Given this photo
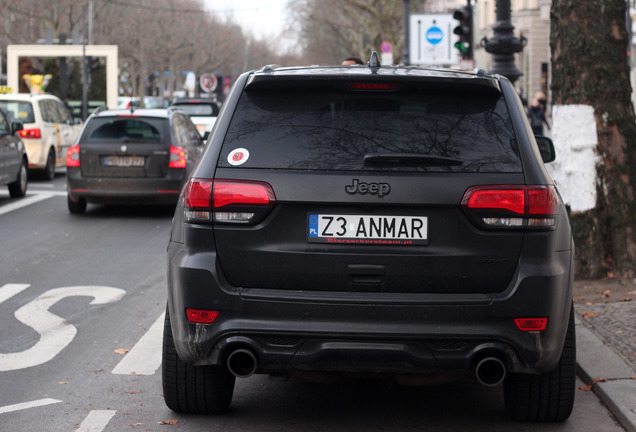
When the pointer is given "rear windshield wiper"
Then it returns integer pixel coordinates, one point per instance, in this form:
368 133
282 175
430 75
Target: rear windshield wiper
408 159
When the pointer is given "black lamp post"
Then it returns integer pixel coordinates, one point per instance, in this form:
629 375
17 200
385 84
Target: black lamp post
503 45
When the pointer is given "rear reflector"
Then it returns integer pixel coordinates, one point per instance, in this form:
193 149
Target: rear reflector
534 207
201 316
229 201
72 156
531 324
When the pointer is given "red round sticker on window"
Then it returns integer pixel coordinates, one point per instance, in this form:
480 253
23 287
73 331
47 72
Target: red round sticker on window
238 156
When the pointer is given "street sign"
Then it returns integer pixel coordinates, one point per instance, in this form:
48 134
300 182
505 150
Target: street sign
431 39
386 47
208 82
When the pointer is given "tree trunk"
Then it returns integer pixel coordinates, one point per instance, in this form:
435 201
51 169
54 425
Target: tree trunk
589 44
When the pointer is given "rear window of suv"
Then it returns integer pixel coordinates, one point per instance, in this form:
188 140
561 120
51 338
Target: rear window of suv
332 129
150 130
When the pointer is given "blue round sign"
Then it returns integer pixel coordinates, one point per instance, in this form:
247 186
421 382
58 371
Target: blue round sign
434 35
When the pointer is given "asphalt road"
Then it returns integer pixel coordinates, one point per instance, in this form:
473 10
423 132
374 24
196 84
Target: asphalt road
81 304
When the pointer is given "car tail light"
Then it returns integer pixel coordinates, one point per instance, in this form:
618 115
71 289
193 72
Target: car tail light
177 157
30 133
201 316
531 324
227 201
73 157
512 207
372 86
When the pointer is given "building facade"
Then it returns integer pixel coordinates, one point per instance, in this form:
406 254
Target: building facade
531 19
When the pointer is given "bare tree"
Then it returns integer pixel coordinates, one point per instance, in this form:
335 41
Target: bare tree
589 62
332 30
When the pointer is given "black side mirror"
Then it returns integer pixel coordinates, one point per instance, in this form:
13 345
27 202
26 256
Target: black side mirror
16 126
546 148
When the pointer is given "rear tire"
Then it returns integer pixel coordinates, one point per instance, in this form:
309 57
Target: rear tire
78 207
49 169
193 389
18 188
548 397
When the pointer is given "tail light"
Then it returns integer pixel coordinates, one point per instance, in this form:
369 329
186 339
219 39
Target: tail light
30 133
372 86
227 201
73 157
512 207
177 157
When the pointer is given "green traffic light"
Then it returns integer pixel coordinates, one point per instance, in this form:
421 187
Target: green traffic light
461 46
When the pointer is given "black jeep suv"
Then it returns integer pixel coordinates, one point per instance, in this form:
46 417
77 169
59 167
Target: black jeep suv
372 220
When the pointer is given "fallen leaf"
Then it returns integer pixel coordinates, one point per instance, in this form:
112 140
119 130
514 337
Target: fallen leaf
62 382
133 391
589 314
121 351
634 377
606 293
625 299
138 424
169 422
594 381
619 331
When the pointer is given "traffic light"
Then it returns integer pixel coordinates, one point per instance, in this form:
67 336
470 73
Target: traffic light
465 31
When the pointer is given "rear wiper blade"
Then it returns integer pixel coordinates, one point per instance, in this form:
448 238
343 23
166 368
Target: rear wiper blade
408 159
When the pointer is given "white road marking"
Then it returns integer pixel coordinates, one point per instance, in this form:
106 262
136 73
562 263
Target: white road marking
145 357
96 421
26 201
55 332
26 405
9 290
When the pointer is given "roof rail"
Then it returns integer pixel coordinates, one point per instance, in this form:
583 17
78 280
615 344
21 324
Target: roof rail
269 67
100 109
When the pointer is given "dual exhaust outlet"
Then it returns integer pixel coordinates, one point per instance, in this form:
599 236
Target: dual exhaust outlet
489 371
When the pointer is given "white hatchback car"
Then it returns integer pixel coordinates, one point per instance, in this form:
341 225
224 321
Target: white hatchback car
49 129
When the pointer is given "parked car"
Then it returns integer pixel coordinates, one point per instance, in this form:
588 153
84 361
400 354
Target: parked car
203 112
380 221
129 157
49 129
14 162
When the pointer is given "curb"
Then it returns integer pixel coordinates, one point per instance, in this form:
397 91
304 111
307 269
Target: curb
595 359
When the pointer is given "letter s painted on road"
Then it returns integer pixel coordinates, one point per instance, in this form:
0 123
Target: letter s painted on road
55 333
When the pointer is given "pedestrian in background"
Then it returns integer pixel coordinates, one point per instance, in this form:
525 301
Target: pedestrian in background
536 116
352 61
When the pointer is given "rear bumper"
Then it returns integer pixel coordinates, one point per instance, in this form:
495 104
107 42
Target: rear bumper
113 190
368 332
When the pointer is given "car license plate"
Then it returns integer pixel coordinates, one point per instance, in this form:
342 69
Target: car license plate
367 229
124 161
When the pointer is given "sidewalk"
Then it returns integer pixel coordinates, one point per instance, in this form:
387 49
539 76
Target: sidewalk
606 353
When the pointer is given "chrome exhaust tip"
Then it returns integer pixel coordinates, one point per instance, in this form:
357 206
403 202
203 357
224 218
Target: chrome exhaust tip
242 363
490 371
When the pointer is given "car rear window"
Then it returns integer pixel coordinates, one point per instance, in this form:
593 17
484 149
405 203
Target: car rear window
199 109
18 111
330 129
125 129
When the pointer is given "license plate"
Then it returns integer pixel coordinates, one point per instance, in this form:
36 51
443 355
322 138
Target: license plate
367 229
124 161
